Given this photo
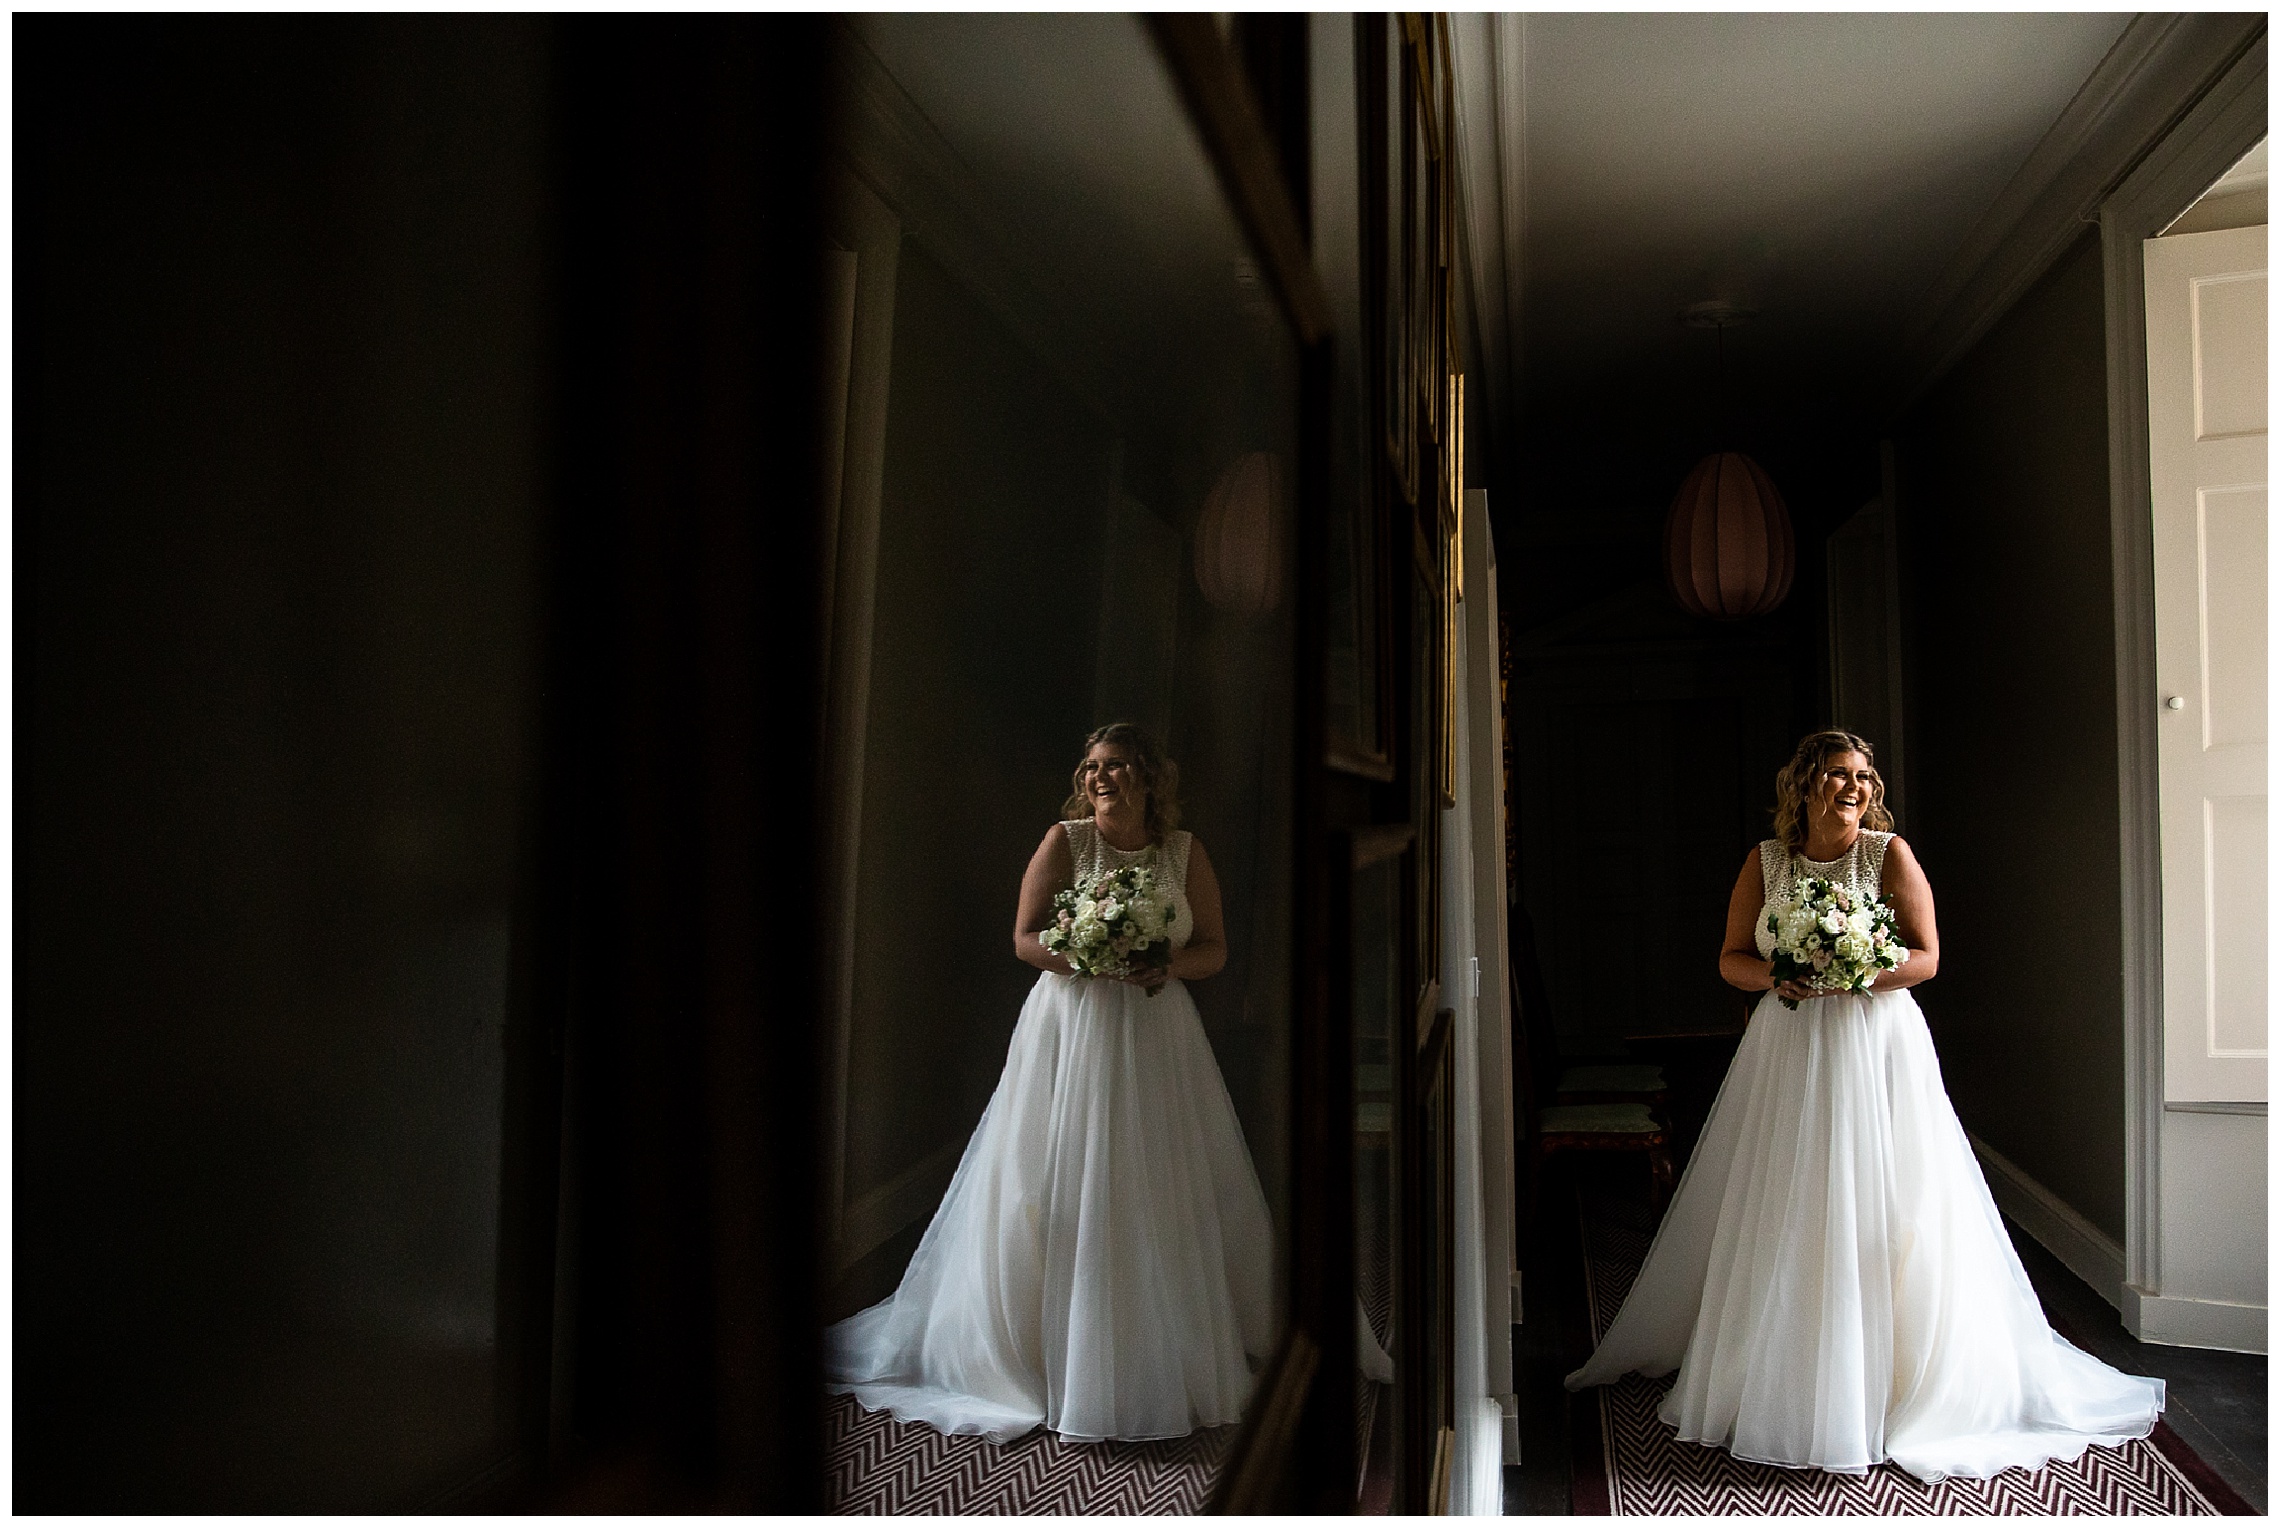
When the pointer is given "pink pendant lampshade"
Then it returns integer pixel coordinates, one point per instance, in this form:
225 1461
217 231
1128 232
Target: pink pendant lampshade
1728 544
1238 540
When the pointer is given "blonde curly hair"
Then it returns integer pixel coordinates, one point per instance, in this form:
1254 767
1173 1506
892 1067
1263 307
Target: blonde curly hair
1159 777
1794 784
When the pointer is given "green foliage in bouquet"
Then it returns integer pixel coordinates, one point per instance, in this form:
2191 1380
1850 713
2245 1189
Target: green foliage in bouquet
1833 937
1115 925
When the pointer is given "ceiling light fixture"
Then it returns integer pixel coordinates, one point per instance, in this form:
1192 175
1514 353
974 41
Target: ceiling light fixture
1728 547
1239 539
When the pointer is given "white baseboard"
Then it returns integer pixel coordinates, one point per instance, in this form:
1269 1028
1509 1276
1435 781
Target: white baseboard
2181 1323
909 1195
2171 1320
2093 1256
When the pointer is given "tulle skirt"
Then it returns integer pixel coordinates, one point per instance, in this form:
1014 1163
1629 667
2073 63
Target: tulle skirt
1101 1263
1832 1281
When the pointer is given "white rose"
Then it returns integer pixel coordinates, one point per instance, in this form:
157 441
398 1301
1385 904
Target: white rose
1860 923
1832 922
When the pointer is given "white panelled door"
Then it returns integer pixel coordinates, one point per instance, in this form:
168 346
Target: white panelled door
2205 375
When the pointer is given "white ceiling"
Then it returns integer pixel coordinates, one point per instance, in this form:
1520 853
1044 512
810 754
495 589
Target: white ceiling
1821 169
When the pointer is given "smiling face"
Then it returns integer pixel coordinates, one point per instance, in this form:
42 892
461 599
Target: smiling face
1842 790
1109 779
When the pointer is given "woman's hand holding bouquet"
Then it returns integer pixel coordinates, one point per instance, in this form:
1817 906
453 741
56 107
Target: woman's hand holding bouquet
1833 938
1116 925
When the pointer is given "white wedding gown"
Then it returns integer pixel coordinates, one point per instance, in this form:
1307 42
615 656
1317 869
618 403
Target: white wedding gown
1831 1280
1101 1261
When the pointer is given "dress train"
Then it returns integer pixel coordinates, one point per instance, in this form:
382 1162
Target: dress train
1832 1280
1101 1262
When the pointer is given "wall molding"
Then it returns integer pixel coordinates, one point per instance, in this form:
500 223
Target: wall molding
2155 72
869 229
494 1488
2223 123
2095 1258
890 143
1489 60
2177 1323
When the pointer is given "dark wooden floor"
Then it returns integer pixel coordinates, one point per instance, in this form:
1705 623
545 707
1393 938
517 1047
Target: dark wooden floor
1553 1337
2217 1401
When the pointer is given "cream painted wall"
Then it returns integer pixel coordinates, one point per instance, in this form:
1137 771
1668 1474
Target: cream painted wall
1483 813
2214 1181
2212 1218
1473 986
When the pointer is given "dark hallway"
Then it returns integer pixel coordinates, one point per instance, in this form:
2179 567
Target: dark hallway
576 576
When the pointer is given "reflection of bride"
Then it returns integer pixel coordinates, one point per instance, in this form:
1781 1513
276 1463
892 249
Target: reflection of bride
1832 1282
1101 1260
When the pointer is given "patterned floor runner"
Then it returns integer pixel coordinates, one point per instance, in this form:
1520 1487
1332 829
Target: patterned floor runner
1649 1473
880 1465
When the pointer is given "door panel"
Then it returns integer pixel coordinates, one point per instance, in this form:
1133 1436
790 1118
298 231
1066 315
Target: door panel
2205 373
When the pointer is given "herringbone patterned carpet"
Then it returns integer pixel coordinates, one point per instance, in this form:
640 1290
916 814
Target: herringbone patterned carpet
1651 1474
880 1465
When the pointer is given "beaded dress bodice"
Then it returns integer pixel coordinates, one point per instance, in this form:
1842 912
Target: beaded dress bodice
1860 867
1095 855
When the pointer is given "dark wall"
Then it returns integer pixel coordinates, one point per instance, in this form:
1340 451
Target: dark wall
1645 745
408 635
988 588
1579 515
1646 739
2007 596
278 414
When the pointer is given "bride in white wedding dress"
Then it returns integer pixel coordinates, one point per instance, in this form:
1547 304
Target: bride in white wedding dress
1101 1262
1832 1281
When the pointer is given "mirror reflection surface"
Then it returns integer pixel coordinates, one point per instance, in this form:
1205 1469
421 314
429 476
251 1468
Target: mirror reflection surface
1377 1008
1064 457
1340 195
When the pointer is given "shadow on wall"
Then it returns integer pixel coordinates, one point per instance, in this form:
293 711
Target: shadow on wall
2007 594
281 510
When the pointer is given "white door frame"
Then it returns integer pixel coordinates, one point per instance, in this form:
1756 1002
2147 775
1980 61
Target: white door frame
2207 141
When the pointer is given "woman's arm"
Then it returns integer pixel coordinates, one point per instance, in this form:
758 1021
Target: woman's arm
1911 895
1205 953
1051 869
1738 961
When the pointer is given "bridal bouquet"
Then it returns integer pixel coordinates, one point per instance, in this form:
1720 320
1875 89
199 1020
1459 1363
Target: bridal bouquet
1833 937
1113 925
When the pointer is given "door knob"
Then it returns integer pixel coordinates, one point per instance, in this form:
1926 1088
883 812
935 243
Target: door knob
2175 702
